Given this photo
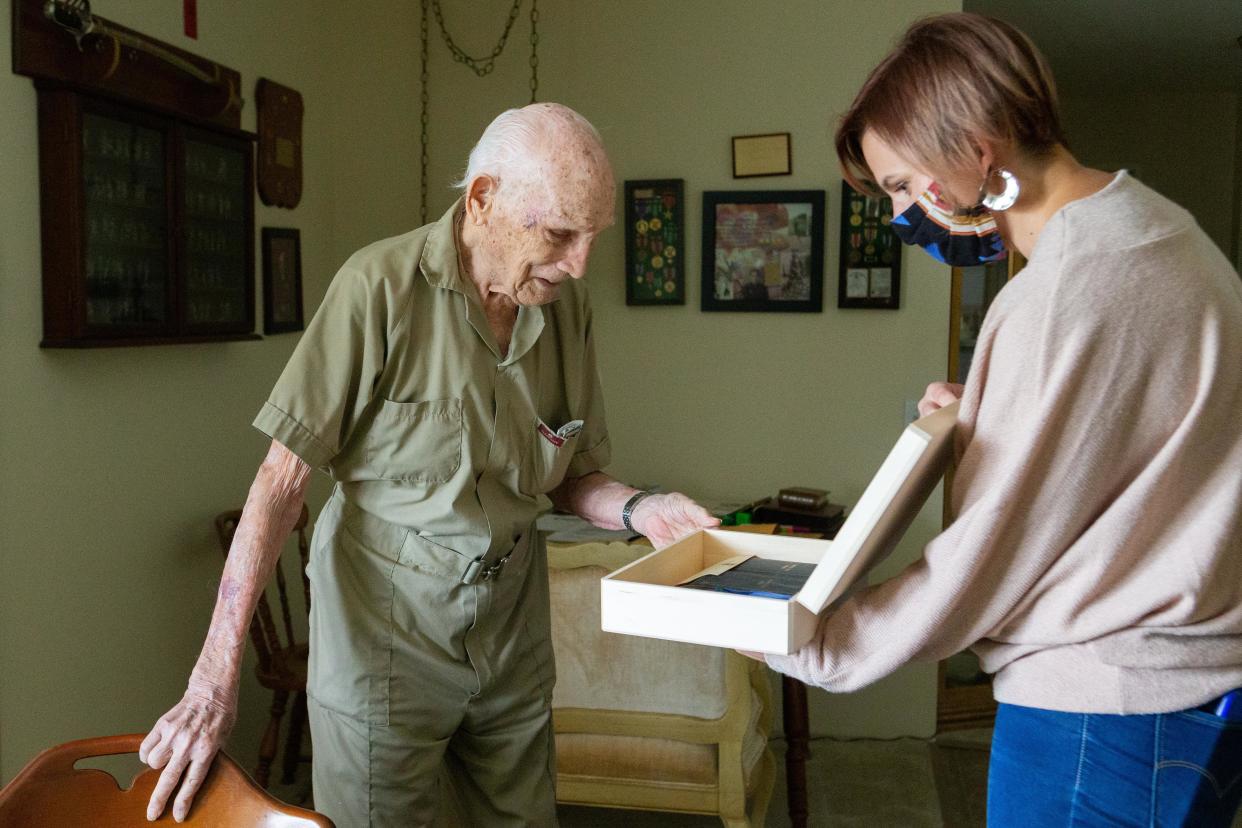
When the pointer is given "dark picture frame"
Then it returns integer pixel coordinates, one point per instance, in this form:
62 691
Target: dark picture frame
282 280
870 261
655 242
763 250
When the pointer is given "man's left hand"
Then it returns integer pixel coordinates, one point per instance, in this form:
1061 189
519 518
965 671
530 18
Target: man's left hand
665 518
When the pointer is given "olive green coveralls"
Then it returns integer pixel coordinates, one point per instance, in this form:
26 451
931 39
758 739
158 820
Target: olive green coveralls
429 627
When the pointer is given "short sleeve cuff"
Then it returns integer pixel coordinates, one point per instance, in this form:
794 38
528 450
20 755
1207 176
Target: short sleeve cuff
294 436
590 460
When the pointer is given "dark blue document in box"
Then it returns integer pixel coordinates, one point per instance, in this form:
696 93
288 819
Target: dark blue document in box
762 577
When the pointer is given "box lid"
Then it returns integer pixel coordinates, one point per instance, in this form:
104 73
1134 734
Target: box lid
887 506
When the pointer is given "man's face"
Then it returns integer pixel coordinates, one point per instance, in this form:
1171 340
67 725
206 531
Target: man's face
541 233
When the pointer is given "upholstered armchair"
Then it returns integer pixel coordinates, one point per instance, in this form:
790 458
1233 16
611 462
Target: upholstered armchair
649 724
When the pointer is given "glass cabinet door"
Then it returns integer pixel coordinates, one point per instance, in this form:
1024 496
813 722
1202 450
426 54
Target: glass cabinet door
126 256
147 225
216 238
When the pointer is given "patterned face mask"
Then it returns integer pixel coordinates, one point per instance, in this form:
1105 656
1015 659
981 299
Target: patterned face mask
957 240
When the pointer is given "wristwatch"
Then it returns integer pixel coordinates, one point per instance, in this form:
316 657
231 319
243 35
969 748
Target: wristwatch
628 510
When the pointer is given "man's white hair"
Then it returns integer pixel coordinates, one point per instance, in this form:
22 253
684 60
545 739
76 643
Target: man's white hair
515 142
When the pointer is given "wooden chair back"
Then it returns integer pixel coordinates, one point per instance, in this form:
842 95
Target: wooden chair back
274 671
51 793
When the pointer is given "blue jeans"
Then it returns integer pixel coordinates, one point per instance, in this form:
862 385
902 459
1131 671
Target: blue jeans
1075 769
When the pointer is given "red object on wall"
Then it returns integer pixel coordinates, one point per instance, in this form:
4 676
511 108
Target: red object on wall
191 18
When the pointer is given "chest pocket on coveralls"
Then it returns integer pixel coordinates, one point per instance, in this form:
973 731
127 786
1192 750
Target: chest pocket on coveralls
547 458
418 442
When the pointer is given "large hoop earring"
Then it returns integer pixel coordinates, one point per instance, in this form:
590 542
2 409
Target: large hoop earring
999 202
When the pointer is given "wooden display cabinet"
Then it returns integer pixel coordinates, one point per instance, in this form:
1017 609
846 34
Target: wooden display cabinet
147 225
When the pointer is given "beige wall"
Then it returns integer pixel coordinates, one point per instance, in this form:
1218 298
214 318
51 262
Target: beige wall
115 460
372 92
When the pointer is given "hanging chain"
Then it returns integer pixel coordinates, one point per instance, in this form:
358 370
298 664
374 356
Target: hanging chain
424 119
481 65
534 50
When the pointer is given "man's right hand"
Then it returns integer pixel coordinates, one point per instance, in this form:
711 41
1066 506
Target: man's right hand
186 740
938 395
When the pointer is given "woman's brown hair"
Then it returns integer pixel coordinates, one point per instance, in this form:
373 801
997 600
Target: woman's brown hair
951 80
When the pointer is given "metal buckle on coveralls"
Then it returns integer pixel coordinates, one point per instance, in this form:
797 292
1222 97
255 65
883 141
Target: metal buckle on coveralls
477 570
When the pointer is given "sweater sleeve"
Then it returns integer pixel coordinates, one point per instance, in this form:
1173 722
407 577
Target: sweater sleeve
1047 419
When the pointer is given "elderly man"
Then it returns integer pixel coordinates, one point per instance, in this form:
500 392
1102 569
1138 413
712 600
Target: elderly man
446 383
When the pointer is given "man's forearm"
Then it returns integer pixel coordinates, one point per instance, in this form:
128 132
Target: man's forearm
595 497
272 508
661 518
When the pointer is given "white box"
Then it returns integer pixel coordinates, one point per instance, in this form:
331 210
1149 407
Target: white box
643 598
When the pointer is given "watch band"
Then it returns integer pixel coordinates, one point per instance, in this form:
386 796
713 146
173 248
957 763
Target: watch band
628 510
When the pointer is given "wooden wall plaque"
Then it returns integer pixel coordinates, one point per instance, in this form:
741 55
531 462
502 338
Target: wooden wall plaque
280 144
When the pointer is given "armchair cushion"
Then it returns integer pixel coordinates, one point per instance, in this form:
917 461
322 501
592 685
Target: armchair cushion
607 671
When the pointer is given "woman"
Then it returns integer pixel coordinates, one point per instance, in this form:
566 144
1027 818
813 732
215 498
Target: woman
1095 565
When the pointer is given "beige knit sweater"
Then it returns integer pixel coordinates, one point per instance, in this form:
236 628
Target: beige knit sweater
1096 561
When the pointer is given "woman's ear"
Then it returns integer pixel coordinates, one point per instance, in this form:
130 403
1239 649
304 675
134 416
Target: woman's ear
986 152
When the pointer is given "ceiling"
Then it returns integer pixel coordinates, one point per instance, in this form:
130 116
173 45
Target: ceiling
1126 44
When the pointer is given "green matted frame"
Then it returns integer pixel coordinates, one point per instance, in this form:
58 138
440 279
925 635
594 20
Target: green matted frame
655 238
870 265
